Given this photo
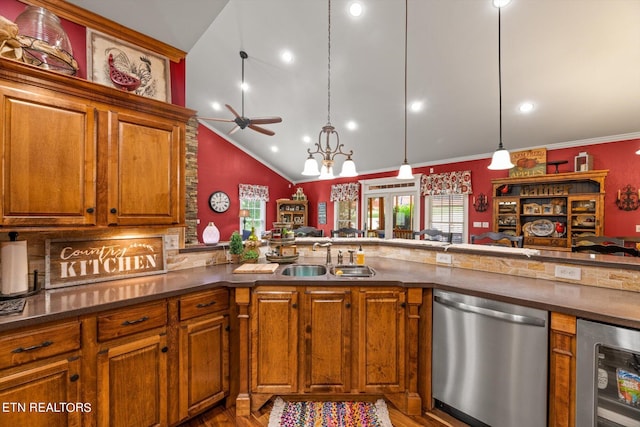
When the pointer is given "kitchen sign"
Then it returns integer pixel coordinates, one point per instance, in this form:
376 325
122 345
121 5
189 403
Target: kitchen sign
76 262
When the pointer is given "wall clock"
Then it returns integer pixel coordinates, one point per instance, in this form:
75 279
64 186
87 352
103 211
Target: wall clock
219 201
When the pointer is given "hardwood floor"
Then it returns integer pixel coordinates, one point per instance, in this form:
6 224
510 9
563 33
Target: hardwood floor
226 417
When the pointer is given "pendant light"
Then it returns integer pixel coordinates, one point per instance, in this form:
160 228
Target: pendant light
405 170
327 152
501 159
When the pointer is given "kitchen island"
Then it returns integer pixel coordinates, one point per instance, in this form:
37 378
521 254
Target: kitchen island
89 347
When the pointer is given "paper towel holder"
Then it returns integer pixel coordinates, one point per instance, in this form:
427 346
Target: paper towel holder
36 287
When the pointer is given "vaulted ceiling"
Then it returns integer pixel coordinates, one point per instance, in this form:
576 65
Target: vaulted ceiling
576 61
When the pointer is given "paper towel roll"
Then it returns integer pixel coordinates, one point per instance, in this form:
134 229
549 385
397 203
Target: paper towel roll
15 267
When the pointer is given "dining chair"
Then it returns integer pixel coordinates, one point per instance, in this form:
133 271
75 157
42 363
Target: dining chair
602 245
308 231
434 234
498 239
402 234
347 232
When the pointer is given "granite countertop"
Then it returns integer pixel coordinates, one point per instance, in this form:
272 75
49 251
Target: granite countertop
601 304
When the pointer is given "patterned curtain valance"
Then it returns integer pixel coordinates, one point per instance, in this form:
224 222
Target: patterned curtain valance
446 183
343 192
254 192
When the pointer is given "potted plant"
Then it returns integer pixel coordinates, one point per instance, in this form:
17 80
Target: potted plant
235 247
250 255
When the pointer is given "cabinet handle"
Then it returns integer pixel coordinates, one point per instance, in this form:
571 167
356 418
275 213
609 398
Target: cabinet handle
33 347
205 304
113 210
90 210
164 349
348 305
227 328
133 322
74 378
403 304
294 305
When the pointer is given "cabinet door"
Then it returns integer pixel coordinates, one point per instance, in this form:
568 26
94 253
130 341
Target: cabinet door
327 340
32 398
204 364
48 160
132 384
381 336
274 341
144 172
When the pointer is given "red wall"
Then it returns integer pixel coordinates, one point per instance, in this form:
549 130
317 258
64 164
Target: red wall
221 167
618 157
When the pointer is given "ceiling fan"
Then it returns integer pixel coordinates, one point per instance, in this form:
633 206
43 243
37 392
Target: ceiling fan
241 120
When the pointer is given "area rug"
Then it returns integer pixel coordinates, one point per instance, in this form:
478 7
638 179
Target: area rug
329 414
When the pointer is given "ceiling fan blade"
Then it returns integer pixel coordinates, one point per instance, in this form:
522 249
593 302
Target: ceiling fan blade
235 113
234 130
265 120
262 130
215 119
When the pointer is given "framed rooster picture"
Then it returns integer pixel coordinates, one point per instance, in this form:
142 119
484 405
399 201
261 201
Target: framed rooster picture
116 63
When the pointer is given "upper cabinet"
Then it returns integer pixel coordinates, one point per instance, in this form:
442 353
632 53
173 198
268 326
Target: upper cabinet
550 210
76 154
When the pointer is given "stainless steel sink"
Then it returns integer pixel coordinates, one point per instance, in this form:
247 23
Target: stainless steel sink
352 271
304 270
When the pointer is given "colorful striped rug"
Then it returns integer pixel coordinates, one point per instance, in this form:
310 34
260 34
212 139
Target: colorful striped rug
329 414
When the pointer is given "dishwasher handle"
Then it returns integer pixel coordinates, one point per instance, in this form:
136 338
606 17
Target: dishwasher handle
501 315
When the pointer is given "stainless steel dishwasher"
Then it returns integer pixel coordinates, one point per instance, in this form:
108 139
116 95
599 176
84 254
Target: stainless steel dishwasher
489 361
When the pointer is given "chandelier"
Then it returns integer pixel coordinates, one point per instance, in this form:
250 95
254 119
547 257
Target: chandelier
327 152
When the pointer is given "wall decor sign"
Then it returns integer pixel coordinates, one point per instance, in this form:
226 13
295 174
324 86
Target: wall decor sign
529 163
75 262
116 63
322 213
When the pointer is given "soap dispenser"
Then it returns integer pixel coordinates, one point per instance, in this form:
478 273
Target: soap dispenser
360 256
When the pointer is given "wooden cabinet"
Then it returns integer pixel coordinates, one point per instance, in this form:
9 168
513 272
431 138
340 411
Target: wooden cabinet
293 211
326 351
331 340
381 336
132 367
204 351
81 154
550 210
562 370
39 372
274 340
49 159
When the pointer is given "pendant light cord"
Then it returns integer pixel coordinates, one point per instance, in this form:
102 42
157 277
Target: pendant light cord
329 65
500 147
406 31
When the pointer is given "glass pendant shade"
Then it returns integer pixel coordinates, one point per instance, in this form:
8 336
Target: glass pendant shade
311 167
405 172
326 172
501 160
348 168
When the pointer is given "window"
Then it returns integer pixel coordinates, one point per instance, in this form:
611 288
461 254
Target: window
448 213
346 214
256 217
389 206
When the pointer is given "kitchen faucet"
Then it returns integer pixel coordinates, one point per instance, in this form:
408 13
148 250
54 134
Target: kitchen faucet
324 245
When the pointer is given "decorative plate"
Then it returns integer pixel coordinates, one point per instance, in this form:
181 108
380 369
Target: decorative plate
526 229
542 227
586 220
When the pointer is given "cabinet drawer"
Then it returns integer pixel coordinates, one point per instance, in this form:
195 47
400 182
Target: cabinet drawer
131 320
38 343
203 303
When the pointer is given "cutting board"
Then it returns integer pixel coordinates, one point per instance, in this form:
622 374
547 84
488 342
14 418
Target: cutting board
257 268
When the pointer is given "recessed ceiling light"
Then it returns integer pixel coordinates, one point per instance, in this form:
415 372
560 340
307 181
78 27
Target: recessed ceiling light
501 3
274 148
244 86
526 107
416 106
306 139
351 125
286 56
216 106
355 9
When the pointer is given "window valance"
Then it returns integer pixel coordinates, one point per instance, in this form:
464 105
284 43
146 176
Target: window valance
446 183
253 192
344 192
